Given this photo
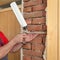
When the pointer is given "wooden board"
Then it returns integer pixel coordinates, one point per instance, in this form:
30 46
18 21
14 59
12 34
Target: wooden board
59 29
52 30
10 27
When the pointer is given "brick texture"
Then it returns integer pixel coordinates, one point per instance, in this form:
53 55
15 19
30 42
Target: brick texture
38 21
33 53
28 46
29 21
39 7
28 9
35 16
37 58
32 3
26 57
35 27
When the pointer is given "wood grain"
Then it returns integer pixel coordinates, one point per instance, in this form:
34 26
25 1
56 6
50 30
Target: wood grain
52 30
10 27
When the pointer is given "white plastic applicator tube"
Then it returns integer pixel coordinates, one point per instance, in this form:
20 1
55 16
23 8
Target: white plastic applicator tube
20 19
18 14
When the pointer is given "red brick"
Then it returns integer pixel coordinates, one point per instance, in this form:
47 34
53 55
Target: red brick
35 27
44 27
37 58
28 9
44 40
42 35
39 7
38 47
27 46
37 40
35 14
32 3
41 20
29 20
26 57
32 53
45 1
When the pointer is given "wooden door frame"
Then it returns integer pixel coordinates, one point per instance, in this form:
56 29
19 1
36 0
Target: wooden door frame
59 30
53 30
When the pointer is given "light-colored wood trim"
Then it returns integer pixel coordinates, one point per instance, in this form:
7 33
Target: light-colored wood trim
7 9
52 30
59 30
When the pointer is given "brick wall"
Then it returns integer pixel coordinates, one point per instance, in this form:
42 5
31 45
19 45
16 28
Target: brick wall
35 15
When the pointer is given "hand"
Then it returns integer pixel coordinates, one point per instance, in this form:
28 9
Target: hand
30 36
19 38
